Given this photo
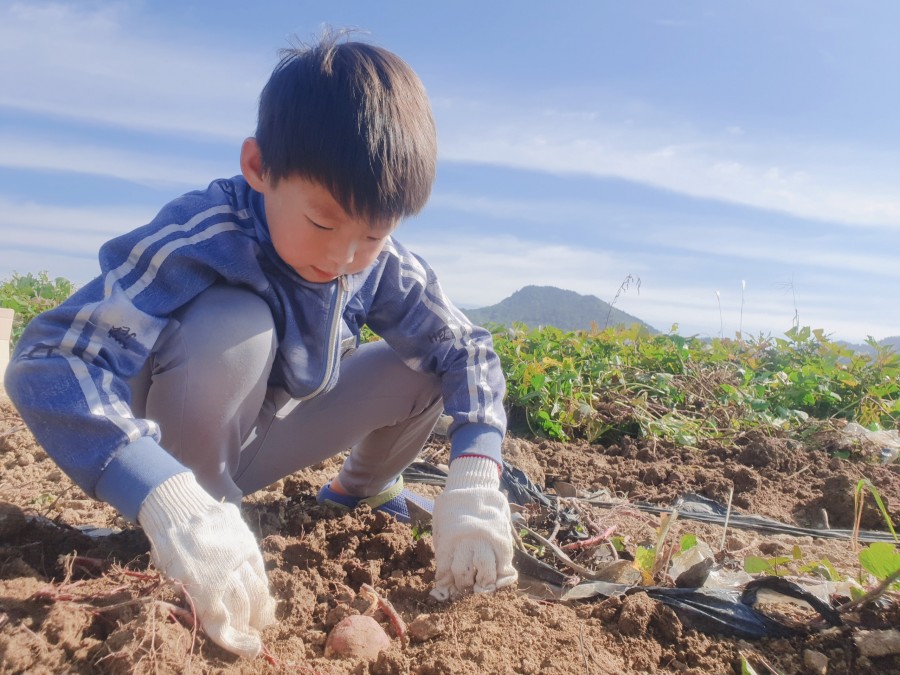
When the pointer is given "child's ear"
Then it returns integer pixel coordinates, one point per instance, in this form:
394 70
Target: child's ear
251 165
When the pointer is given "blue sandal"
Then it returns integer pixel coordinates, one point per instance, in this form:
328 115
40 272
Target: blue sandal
391 501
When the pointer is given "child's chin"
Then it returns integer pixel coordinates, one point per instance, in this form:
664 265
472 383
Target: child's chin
316 276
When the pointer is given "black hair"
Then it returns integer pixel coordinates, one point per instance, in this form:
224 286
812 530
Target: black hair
355 118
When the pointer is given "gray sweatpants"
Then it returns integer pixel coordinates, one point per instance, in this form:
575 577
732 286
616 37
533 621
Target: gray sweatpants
205 384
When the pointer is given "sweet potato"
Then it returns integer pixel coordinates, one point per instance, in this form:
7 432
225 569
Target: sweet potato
358 637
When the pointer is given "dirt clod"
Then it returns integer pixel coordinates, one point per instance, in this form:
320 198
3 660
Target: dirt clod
12 520
878 642
635 615
426 627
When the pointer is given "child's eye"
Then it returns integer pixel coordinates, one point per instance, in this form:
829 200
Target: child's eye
320 227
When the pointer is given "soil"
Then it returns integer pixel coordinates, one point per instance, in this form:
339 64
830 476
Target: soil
78 593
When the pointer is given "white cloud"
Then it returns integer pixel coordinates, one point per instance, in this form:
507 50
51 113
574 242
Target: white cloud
483 272
78 270
65 241
796 249
519 209
821 181
697 310
838 310
45 220
99 64
62 240
82 158
95 64
795 246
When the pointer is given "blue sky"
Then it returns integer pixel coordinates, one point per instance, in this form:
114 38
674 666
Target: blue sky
749 149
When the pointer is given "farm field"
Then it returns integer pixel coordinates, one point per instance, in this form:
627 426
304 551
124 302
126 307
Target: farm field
617 438
75 603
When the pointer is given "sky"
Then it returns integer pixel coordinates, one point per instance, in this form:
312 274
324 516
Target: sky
740 160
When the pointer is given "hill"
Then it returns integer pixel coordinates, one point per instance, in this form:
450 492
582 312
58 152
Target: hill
550 306
893 342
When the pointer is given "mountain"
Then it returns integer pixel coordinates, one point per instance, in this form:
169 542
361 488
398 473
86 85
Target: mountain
550 306
893 342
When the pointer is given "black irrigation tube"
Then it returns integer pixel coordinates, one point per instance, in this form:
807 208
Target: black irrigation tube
757 523
728 612
522 491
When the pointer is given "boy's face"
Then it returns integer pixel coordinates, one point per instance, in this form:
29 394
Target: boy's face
310 231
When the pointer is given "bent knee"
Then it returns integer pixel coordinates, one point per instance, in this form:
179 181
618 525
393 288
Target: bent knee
227 323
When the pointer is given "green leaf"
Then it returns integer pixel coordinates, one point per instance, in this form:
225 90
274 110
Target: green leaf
746 668
880 559
688 542
821 568
866 483
779 560
645 557
755 565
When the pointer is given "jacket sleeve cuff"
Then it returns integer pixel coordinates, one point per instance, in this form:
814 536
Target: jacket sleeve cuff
133 473
483 440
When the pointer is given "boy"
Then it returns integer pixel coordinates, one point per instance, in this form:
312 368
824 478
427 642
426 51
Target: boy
219 349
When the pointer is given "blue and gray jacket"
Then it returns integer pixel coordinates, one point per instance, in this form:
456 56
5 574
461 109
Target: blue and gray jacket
68 374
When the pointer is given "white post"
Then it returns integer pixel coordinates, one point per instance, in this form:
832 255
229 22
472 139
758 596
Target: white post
6 322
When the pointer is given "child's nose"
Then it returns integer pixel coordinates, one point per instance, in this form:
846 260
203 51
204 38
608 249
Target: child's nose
342 253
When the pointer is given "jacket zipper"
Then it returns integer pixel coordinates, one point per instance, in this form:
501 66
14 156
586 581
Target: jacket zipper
333 335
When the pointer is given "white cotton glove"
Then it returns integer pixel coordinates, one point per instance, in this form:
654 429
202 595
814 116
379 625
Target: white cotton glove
472 530
207 546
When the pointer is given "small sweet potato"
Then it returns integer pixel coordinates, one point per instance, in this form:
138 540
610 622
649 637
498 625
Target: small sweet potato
358 637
